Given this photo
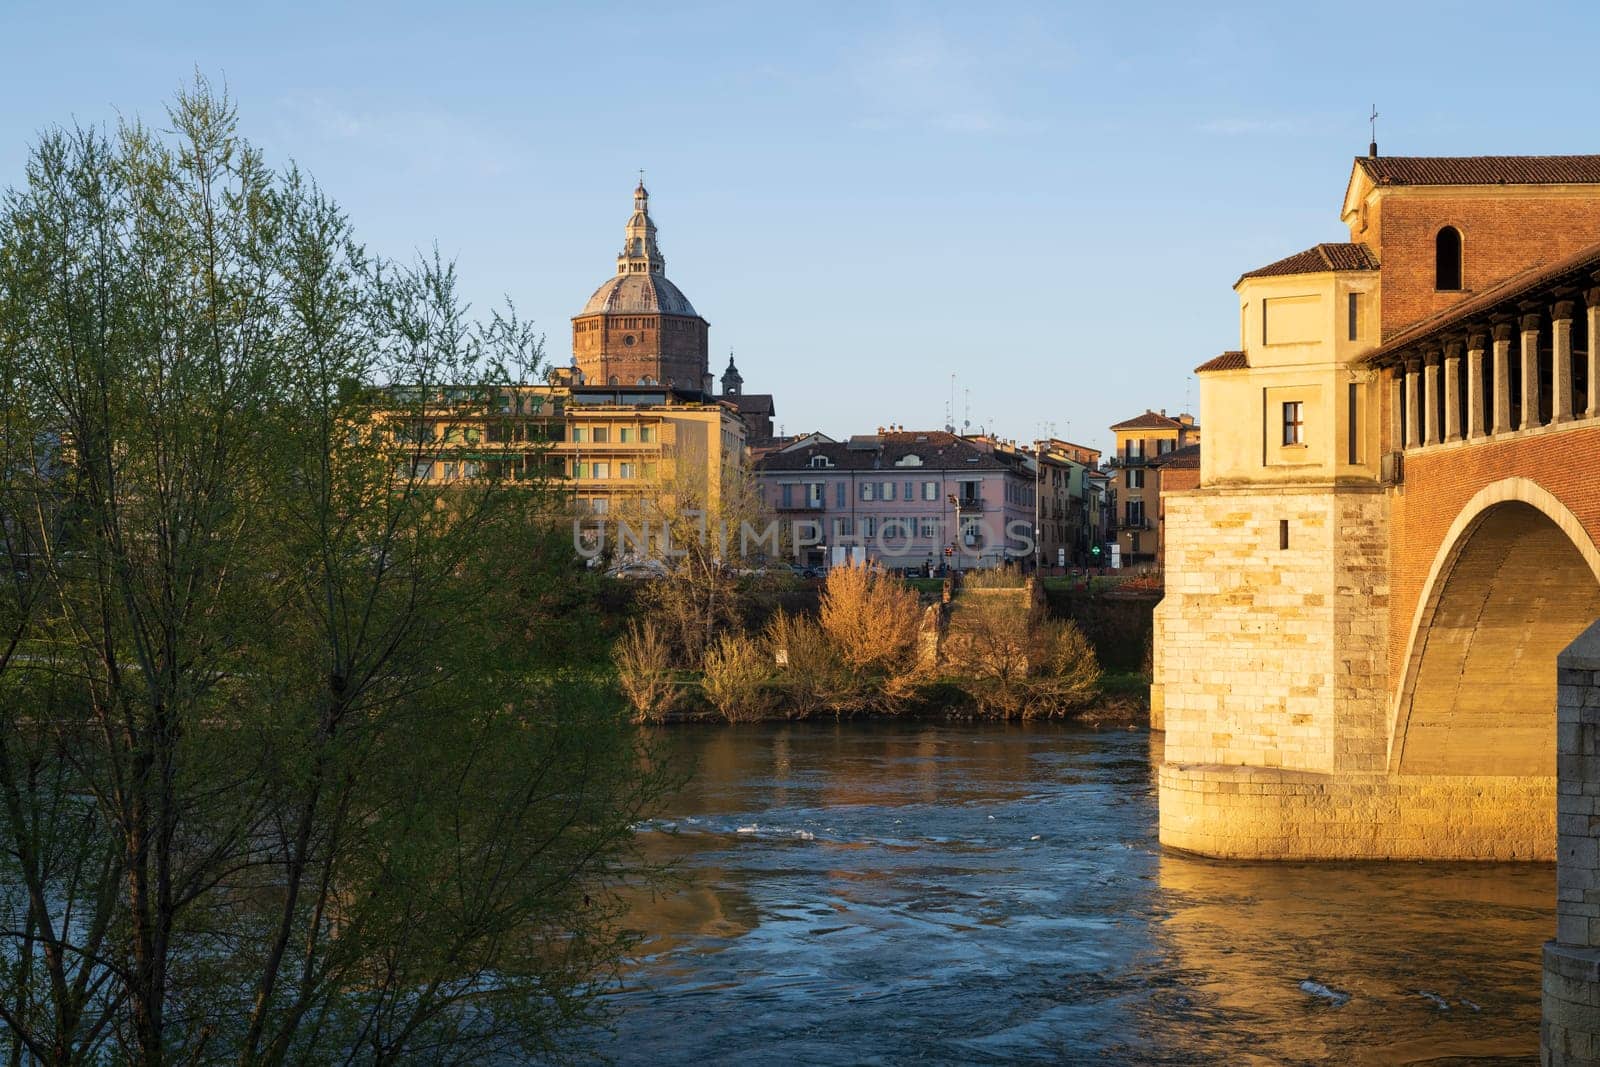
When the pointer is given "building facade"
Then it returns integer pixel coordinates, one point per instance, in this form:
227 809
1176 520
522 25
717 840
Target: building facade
1141 442
607 449
904 499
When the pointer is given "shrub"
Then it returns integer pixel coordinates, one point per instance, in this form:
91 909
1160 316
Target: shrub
644 670
1011 670
993 578
1066 674
735 674
988 638
814 680
870 617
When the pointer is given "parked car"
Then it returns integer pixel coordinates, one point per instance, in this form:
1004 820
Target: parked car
645 568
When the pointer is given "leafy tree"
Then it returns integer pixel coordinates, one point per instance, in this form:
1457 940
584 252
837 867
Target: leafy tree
282 778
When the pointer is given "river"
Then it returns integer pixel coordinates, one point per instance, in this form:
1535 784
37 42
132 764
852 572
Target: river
913 893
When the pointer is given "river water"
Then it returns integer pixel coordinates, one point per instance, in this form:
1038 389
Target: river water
911 893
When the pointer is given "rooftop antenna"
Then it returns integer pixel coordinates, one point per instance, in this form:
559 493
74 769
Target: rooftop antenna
1372 149
966 410
1188 384
950 407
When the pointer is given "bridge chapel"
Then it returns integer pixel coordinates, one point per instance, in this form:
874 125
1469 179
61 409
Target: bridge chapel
1395 528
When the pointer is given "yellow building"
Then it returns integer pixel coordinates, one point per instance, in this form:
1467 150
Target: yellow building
1141 441
1290 405
606 447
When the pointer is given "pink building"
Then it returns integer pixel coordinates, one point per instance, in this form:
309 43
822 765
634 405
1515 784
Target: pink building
896 496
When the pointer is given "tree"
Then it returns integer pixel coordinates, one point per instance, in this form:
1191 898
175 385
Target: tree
871 617
702 515
1016 666
644 670
280 778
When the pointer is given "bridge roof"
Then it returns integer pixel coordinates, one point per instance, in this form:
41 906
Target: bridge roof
1501 298
1481 170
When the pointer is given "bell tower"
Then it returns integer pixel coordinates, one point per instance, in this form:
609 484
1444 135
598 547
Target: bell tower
732 380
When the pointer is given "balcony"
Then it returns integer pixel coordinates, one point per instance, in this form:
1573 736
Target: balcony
801 505
969 503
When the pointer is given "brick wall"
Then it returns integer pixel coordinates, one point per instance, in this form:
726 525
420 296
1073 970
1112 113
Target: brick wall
1440 481
1500 237
665 348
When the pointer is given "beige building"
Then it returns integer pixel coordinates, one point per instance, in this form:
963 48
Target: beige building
631 422
608 448
1141 441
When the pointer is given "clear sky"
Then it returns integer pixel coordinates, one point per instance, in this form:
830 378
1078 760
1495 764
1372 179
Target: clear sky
1049 201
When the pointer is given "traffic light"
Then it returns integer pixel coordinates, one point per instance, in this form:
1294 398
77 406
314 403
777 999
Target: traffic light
1094 550
949 551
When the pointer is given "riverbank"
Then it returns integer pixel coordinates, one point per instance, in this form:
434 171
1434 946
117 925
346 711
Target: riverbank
988 647
1122 702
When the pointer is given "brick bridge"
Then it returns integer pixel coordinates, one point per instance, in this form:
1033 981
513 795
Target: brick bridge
1366 668
1395 536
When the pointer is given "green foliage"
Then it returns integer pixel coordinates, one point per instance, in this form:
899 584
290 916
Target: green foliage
645 672
287 772
735 675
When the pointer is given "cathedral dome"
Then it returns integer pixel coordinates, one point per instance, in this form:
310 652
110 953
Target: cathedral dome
641 293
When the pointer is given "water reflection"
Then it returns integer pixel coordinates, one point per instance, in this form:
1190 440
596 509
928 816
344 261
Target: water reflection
882 893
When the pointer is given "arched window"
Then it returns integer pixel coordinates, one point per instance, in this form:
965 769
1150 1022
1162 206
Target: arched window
1447 260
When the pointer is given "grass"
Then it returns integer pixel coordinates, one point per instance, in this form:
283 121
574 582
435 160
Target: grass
1130 685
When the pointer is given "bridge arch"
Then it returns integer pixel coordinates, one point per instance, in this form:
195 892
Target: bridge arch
1516 579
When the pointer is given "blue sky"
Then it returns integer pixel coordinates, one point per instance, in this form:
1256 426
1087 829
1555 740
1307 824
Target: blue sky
1049 201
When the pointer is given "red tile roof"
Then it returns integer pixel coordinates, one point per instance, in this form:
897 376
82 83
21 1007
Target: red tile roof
1180 459
937 450
1481 170
1148 421
1226 361
1317 259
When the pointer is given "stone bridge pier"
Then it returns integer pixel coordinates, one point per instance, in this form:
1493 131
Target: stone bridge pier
1570 1032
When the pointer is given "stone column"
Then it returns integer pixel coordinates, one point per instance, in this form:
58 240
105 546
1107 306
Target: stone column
1570 1031
1413 415
1475 342
1592 298
1502 377
1452 391
1561 361
1397 393
1530 370
1430 411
